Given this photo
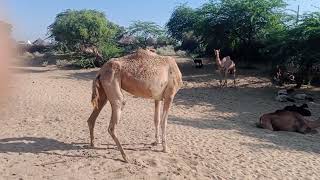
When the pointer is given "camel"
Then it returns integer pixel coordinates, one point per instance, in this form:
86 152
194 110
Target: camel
144 74
225 66
303 109
283 120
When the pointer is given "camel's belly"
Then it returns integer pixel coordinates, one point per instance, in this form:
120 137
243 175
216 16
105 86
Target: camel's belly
153 89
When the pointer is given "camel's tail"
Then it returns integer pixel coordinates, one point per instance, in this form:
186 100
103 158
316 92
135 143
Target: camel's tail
97 92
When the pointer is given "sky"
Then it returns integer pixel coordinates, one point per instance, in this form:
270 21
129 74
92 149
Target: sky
30 18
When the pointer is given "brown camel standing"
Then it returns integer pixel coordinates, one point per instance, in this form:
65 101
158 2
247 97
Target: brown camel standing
283 120
225 66
144 74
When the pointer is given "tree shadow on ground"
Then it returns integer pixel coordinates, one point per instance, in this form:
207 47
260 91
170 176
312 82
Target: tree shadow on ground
240 109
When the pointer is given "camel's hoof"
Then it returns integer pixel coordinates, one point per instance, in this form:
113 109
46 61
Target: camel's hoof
155 143
125 159
165 150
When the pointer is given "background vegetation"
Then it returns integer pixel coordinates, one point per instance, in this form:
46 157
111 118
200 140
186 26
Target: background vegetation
250 31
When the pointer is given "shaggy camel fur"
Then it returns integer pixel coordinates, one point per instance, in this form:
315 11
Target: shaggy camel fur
303 109
225 66
144 74
283 120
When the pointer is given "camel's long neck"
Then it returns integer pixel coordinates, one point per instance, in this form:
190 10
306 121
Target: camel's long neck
314 124
218 61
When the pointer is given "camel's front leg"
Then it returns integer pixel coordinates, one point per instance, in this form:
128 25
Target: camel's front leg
221 77
226 77
157 122
115 117
166 107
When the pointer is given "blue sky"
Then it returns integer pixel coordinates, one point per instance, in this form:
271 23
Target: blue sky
32 17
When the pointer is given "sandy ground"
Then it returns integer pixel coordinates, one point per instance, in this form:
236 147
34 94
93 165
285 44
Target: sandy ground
211 131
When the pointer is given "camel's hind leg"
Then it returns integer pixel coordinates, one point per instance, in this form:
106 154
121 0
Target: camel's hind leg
92 120
226 78
157 121
100 102
166 107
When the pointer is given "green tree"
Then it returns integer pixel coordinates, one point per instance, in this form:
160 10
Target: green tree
239 24
76 30
145 32
182 20
234 24
298 46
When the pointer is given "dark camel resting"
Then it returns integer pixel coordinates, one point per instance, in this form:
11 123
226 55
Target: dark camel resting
283 120
303 109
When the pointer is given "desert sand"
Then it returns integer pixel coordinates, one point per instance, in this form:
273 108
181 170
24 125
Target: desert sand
211 131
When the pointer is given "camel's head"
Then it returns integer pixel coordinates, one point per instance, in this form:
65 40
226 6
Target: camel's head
304 105
217 52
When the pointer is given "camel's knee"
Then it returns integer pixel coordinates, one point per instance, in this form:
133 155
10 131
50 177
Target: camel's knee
123 104
92 119
111 130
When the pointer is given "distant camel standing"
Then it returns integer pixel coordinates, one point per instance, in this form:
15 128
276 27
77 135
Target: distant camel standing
144 74
225 66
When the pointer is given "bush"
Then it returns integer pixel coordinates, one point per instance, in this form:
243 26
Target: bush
110 50
166 51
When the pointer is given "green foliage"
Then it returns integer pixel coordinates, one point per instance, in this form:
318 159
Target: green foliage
146 33
110 50
232 24
73 29
182 20
298 45
249 31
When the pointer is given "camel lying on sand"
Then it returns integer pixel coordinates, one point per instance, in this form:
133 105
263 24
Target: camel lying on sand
225 66
143 74
283 120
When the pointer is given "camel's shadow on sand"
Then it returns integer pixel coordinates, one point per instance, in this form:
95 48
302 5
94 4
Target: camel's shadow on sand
38 145
35 145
